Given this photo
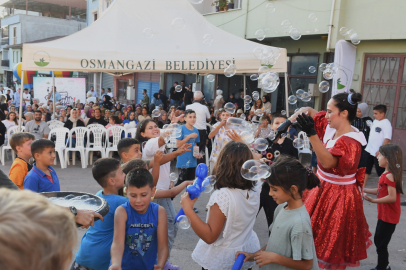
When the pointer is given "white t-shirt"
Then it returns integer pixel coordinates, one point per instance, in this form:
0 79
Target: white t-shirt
380 130
27 96
202 114
148 152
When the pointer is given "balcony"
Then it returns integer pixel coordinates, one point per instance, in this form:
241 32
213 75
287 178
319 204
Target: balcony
5 63
4 41
210 7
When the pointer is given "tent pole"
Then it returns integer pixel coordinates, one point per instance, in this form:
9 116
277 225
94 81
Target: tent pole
286 94
53 95
20 110
245 83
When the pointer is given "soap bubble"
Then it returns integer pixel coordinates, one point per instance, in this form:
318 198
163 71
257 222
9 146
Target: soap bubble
252 170
210 77
398 166
254 77
196 2
178 88
271 135
369 123
230 70
236 123
312 17
265 168
283 112
260 34
263 69
258 52
242 116
247 107
328 74
344 31
148 33
207 39
333 66
270 82
259 112
260 144
306 97
276 154
351 32
247 99
173 177
183 222
295 34
286 25
208 183
299 93
355 39
247 137
270 7
312 69
324 86
298 143
323 67
292 99
156 113
255 95
229 107
178 24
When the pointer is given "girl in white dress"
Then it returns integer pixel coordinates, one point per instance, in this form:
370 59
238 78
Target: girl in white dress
231 216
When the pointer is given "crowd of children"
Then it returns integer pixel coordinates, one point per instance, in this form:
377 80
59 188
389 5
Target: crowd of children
307 214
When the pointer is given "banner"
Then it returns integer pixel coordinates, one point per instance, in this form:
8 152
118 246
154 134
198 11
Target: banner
344 57
70 89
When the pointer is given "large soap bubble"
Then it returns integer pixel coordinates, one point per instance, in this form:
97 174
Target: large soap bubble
270 7
312 17
324 86
260 144
283 112
208 183
322 67
247 107
295 34
299 93
156 113
259 112
254 77
255 95
306 97
247 99
253 170
173 177
260 34
263 69
183 222
178 24
312 69
237 123
286 25
344 31
178 88
355 39
210 77
292 99
230 71
328 74
298 143
229 107
247 136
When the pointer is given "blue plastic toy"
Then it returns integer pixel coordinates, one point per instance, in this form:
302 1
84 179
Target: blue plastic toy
195 189
238 262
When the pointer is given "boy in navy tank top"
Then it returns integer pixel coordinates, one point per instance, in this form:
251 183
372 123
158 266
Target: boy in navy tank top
140 227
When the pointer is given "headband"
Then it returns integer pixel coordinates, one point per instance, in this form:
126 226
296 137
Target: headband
350 100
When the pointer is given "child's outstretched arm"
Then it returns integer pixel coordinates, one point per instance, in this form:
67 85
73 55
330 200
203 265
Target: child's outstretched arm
390 198
117 248
210 231
216 130
373 191
180 143
266 257
170 193
155 169
162 233
170 156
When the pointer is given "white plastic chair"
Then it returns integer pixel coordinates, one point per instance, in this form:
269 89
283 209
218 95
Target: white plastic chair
306 144
80 133
60 143
99 133
6 145
51 122
94 125
117 132
132 131
56 124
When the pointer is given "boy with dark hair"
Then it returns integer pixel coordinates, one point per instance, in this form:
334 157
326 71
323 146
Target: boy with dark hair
380 134
94 250
187 162
42 177
21 143
140 227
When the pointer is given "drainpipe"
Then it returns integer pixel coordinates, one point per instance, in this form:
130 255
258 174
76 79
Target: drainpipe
330 27
246 20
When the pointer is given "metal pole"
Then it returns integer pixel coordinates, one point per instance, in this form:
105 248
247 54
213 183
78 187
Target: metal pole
53 94
245 82
20 110
330 27
286 94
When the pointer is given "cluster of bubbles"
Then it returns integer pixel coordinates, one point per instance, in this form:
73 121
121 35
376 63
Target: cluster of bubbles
351 34
267 55
255 170
329 70
83 202
171 131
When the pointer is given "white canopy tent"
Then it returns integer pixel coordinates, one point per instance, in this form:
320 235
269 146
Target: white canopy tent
139 36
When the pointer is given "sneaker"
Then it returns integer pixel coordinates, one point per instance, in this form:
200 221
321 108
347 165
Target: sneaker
169 266
195 209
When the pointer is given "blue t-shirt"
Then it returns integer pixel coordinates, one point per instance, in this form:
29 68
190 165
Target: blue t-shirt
187 160
37 181
292 132
141 242
94 250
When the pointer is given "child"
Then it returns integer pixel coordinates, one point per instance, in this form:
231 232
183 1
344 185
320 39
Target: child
290 245
380 134
388 192
42 177
21 143
94 250
231 215
187 162
219 132
265 129
283 146
140 227
113 121
33 228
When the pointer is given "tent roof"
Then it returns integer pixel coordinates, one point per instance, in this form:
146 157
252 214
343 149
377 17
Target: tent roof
116 42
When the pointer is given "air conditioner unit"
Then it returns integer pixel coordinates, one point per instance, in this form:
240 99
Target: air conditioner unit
130 93
313 90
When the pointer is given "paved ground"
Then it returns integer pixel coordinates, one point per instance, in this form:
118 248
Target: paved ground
74 178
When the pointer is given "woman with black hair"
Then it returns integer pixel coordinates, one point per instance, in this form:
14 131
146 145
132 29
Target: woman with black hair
266 101
340 230
107 102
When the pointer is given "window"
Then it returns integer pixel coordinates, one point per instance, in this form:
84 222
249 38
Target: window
14 35
95 16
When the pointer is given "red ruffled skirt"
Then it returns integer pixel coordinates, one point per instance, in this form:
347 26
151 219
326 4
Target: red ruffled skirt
340 230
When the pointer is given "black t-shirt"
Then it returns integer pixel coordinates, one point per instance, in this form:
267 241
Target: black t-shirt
188 98
3 108
100 121
173 94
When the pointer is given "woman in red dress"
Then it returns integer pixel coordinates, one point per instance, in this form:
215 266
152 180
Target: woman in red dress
340 229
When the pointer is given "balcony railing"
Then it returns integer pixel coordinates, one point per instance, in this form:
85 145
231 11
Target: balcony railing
5 63
4 41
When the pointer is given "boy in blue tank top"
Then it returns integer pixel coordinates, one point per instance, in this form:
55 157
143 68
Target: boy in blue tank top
140 227
94 251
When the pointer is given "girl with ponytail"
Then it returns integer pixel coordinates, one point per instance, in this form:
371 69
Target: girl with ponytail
290 244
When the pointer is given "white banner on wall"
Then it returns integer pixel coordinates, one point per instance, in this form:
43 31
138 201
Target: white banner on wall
70 89
344 57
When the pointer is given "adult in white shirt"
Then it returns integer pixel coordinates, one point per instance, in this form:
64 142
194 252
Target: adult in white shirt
202 116
26 97
380 134
109 92
94 93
